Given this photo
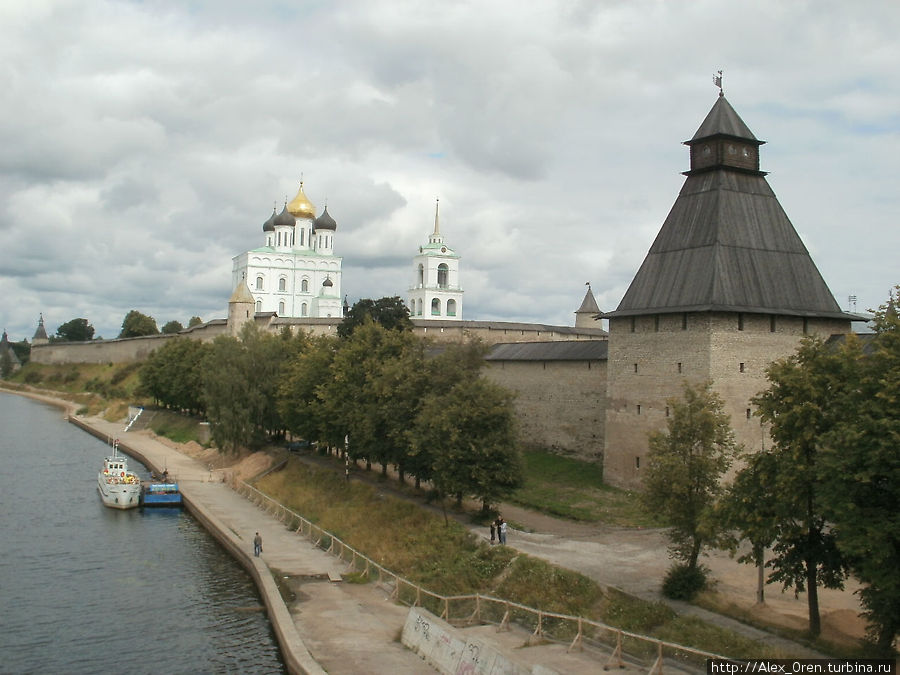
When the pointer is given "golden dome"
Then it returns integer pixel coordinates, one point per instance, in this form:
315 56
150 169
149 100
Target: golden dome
301 207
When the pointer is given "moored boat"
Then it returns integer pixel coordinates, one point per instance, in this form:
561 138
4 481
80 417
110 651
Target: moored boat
119 488
161 494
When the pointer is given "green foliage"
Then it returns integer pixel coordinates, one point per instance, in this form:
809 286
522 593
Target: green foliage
172 327
173 374
136 324
470 434
859 473
22 350
299 404
632 614
683 582
194 321
6 364
801 406
686 462
389 312
240 383
76 330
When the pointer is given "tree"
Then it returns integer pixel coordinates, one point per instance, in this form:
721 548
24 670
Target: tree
172 327
173 374
136 324
299 404
390 312
470 433
749 509
366 396
859 473
685 464
801 407
194 321
76 330
6 364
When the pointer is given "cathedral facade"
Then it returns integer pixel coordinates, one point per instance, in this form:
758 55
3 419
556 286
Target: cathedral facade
295 273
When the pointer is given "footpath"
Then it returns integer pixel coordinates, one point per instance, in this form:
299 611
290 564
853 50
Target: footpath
322 624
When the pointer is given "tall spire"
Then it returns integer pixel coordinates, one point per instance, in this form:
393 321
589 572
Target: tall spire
436 237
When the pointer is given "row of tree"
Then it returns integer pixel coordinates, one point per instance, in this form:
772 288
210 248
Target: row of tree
823 502
375 392
135 324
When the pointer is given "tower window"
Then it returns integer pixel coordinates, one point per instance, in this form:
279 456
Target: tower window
443 275
451 308
748 413
679 366
635 367
742 367
632 324
772 324
656 323
740 321
638 408
684 321
435 307
637 462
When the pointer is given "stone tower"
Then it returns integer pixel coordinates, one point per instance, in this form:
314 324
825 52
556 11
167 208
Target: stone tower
436 293
241 308
586 315
726 288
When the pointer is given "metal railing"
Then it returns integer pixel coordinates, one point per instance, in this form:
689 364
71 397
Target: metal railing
467 610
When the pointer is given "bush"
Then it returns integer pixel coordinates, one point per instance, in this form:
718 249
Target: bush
683 582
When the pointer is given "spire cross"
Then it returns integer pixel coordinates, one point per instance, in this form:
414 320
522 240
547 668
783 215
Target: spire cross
717 80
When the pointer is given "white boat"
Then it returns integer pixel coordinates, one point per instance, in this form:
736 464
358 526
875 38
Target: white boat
119 488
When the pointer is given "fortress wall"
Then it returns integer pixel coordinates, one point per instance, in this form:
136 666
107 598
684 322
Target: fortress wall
560 404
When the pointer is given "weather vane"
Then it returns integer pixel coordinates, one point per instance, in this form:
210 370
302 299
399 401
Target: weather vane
717 80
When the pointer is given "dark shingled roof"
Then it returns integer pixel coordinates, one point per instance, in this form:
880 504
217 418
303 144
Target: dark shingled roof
727 245
563 350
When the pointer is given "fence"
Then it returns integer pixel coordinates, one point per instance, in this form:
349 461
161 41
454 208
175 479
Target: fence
467 610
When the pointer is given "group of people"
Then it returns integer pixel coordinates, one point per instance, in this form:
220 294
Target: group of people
498 530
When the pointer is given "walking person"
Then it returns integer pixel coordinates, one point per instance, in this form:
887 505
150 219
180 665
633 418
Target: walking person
502 531
257 545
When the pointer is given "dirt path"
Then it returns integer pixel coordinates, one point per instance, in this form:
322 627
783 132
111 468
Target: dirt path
635 560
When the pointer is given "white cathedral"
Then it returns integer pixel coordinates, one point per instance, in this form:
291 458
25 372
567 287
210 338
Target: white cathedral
296 273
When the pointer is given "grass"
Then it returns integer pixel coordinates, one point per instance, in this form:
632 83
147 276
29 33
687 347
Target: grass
570 488
176 427
447 559
96 386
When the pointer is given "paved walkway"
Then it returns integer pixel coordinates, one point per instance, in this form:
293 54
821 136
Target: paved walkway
337 627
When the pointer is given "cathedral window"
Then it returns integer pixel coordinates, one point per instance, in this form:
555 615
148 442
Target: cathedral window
281 308
435 307
303 309
451 308
419 307
443 275
304 286
259 283
259 305
303 237
421 281
282 284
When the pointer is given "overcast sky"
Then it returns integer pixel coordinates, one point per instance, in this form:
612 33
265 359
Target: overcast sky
143 144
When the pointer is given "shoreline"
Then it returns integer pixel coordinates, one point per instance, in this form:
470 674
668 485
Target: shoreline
294 652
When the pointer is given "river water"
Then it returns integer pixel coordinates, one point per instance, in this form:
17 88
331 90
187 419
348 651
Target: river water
88 589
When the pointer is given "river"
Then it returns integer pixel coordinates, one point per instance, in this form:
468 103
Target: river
88 589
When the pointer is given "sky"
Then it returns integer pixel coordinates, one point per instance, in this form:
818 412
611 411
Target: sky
143 144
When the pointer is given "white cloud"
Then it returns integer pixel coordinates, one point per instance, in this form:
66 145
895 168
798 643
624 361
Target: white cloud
144 144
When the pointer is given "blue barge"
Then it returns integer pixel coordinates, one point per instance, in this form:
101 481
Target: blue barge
161 494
